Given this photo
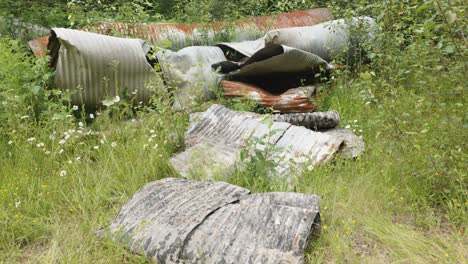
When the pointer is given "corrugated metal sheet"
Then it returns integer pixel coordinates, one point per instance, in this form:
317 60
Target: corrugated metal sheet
95 67
296 100
216 137
328 40
182 35
272 75
181 221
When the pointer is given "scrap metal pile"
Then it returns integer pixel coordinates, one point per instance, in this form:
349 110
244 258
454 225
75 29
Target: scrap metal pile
273 60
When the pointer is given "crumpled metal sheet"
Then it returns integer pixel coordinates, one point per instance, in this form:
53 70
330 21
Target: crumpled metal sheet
182 35
272 76
188 72
246 48
216 137
291 60
181 221
96 67
295 100
328 40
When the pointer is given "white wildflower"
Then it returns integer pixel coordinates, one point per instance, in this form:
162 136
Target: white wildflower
112 101
310 168
96 147
155 146
63 173
75 107
70 161
10 142
348 126
62 141
23 117
91 116
113 144
31 139
60 151
47 152
40 145
17 204
145 146
355 121
80 124
102 141
78 158
152 131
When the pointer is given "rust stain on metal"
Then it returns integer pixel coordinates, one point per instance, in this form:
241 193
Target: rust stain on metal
291 101
163 31
39 46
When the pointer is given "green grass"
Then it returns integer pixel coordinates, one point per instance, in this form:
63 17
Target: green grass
64 175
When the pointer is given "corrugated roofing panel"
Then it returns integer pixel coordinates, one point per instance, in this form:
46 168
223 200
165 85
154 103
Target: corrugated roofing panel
182 35
95 67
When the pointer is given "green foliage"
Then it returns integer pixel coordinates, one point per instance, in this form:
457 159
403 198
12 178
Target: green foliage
64 173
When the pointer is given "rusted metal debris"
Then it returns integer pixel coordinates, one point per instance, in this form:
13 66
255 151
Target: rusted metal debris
216 137
182 35
276 76
276 64
296 100
181 221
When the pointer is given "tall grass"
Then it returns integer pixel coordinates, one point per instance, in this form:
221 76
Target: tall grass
65 173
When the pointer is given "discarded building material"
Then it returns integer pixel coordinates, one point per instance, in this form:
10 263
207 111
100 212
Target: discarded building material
329 40
314 121
216 137
188 72
181 221
270 67
295 100
278 77
183 35
95 67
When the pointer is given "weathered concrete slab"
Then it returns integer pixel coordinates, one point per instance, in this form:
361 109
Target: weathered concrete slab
216 137
181 221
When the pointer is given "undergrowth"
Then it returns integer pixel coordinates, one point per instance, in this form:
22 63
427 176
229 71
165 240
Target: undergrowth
64 173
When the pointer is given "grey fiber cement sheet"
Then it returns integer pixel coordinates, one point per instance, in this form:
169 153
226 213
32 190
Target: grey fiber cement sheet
181 221
161 216
216 137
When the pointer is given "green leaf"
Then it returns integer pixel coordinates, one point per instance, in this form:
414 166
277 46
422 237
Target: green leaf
365 75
